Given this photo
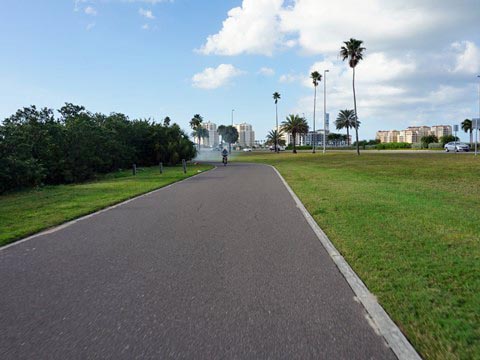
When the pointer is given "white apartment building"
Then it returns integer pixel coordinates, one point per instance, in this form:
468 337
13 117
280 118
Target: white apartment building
413 134
213 139
246 135
441 130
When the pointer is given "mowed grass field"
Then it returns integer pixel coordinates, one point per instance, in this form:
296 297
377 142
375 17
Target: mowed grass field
26 212
409 225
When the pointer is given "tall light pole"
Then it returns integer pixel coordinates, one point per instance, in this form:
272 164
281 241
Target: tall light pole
232 115
325 111
476 122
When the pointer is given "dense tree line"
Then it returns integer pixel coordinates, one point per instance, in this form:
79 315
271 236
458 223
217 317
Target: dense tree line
38 148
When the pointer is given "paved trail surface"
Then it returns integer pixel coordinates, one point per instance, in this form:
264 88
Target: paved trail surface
222 265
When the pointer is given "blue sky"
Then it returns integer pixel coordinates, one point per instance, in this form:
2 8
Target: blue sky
150 58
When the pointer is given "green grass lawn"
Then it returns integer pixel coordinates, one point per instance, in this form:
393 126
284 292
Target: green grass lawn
26 212
409 225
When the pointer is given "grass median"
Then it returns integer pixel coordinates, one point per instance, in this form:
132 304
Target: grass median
409 225
26 212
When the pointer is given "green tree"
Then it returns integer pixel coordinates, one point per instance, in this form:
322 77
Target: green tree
448 138
428 139
274 138
229 134
353 51
316 78
294 125
201 133
166 121
276 97
346 120
467 126
195 124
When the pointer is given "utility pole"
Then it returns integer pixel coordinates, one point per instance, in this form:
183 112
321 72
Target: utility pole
325 111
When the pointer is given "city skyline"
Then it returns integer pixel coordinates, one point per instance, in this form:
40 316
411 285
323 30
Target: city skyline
151 59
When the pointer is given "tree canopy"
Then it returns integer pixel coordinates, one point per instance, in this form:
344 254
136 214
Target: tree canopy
38 148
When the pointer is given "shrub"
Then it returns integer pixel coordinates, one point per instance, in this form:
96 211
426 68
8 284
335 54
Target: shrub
435 146
392 146
37 148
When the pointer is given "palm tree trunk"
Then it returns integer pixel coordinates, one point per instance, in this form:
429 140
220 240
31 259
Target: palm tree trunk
314 106
276 128
348 137
471 136
294 135
356 115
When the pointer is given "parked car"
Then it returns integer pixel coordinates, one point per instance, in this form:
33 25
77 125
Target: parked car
456 146
247 150
280 148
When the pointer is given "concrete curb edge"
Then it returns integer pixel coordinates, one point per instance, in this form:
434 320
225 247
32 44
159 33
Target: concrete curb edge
399 344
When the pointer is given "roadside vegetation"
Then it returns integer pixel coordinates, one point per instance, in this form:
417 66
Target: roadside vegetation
409 225
26 212
38 148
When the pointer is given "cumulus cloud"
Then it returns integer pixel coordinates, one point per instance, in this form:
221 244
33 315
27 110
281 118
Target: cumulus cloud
266 71
263 26
212 78
467 58
251 28
146 13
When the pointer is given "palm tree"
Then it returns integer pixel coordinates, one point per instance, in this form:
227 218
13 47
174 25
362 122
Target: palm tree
346 120
467 126
201 133
195 124
295 124
316 78
273 137
353 51
276 97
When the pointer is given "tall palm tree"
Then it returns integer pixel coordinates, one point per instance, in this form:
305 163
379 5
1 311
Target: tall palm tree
200 133
353 51
195 124
467 126
273 137
316 78
295 124
276 97
346 120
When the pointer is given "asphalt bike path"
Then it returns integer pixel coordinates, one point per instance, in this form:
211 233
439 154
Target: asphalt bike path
222 265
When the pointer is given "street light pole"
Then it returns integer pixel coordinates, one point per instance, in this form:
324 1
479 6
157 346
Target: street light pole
476 121
325 111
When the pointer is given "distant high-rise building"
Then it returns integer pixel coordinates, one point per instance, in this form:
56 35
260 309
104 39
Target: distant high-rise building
413 134
441 130
246 135
212 139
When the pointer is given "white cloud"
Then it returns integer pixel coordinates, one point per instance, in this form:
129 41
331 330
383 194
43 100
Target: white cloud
90 26
468 57
266 71
291 78
251 28
263 26
145 26
89 10
146 13
212 78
